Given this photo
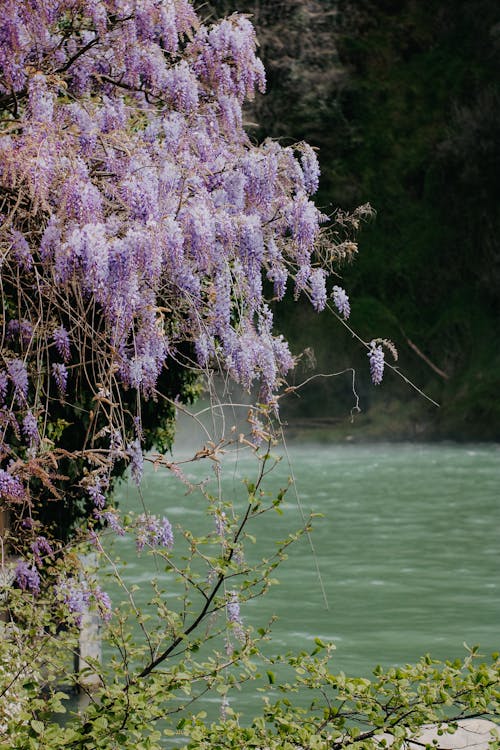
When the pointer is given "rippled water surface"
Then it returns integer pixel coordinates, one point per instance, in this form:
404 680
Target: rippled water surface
407 548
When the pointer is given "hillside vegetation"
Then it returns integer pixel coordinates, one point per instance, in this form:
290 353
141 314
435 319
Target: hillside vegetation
403 102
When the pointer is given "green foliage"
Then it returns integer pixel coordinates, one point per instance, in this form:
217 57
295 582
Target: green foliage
405 127
342 711
190 641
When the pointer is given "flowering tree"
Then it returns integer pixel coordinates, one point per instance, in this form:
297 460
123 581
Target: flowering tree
142 235
143 239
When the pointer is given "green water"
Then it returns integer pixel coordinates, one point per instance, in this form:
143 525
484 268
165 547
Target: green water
407 549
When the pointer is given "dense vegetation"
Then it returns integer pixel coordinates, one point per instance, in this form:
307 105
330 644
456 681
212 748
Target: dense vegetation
143 237
403 104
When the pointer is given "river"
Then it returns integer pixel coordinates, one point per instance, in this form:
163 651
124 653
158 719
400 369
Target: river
404 560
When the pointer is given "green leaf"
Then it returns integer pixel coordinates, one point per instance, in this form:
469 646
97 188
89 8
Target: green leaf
101 723
37 726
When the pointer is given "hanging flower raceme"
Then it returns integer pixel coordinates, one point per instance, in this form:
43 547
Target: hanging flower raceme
377 361
233 615
11 488
79 595
341 301
27 577
152 531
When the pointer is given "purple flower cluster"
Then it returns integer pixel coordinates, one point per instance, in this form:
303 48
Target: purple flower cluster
21 250
220 523
27 577
96 489
317 283
11 488
40 99
41 548
310 168
152 531
136 457
4 384
30 429
112 520
60 375
181 209
233 615
376 355
61 340
103 602
341 301
78 595
19 377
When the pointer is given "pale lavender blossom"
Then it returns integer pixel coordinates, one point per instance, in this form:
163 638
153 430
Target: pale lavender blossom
41 548
260 171
4 383
81 198
222 308
61 340
279 276
284 359
94 249
318 289
113 522
310 168
19 377
231 117
112 115
11 488
341 301
134 452
21 249
115 444
220 523
30 429
233 615
60 375
301 278
154 532
96 492
27 577
182 87
79 595
104 604
376 355
41 100
87 126
204 348
76 595
232 39
51 239
224 706
305 225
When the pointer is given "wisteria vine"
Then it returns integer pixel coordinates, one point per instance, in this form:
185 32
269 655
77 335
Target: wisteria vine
141 230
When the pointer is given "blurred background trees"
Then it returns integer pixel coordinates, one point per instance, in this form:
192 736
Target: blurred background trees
403 103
